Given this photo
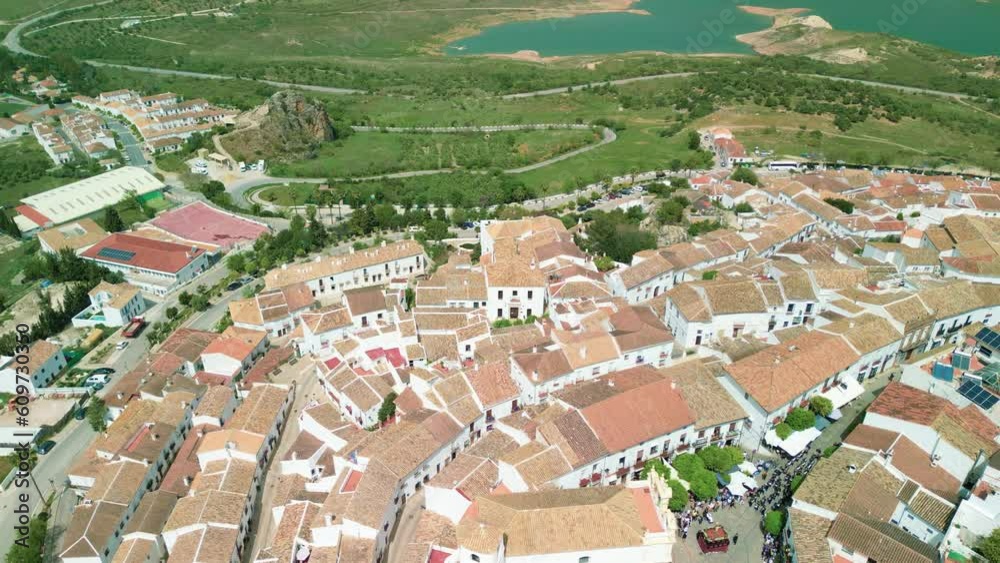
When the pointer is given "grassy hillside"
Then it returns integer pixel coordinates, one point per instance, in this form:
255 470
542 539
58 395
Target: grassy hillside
368 154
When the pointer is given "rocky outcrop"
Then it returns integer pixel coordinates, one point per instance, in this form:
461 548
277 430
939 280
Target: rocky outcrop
291 127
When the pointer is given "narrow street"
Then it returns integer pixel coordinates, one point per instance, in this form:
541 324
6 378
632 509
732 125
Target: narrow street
302 375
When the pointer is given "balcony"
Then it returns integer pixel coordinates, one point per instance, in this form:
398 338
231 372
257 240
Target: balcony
595 478
622 471
584 482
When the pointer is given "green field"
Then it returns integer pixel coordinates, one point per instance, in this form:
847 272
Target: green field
372 153
11 10
27 154
292 194
8 108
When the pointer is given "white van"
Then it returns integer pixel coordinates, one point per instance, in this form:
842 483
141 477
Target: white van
243 167
260 165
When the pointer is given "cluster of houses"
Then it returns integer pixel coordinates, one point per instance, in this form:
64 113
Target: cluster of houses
522 393
163 120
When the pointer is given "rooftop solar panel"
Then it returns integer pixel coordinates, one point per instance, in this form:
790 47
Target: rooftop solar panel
961 361
989 337
944 372
974 392
116 254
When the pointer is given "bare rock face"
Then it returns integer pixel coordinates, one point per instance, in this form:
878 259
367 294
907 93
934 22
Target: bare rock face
291 128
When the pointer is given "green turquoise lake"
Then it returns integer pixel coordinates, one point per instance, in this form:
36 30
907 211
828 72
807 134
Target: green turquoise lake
710 26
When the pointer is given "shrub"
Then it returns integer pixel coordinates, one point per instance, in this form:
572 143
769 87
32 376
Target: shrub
828 451
783 430
743 174
678 496
821 405
603 263
841 204
709 275
800 419
774 522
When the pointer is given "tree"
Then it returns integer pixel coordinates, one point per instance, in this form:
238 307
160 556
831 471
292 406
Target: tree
841 204
436 230
388 408
800 419
694 140
411 298
709 275
716 459
8 226
671 211
237 263
821 405
97 413
30 551
783 430
678 496
704 485
688 465
774 522
989 547
112 221
184 298
743 207
745 175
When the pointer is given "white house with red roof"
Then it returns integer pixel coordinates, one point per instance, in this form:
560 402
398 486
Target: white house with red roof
155 266
235 352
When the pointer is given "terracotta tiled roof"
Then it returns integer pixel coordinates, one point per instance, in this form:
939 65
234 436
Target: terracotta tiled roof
871 438
880 541
809 536
777 375
639 414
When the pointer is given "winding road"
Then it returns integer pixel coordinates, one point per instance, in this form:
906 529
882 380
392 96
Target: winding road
239 189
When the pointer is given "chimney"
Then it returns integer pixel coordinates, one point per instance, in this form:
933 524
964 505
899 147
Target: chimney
328 519
611 383
583 352
120 395
156 436
201 431
295 455
793 348
534 375
230 445
852 468
187 481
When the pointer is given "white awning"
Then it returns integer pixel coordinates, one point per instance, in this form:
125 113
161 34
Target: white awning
740 483
844 393
795 443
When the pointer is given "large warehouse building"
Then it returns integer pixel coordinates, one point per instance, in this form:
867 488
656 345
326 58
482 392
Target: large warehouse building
72 201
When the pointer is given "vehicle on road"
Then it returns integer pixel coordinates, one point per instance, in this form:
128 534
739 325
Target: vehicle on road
80 414
99 379
121 345
46 446
103 371
133 328
234 285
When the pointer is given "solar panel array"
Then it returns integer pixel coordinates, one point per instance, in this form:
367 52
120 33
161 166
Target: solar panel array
961 361
974 392
989 337
116 254
944 372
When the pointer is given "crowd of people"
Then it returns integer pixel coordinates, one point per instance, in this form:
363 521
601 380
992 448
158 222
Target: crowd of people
774 493
777 489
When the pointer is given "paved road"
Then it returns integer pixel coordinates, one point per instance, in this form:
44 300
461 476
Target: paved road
12 41
131 148
907 89
239 189
49 475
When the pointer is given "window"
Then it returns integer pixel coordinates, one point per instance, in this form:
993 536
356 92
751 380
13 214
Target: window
500 294
653 450
530 294
514 293
500 313
584 559
791 307
475 557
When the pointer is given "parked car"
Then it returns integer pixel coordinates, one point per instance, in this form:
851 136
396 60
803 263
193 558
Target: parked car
80 414
103 371
46 446
99 379
122 345
234 285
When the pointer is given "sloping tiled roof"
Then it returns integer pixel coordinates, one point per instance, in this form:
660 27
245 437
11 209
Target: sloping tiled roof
880 541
